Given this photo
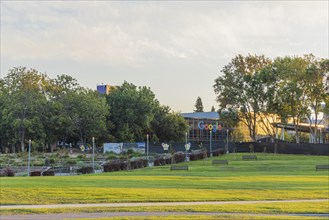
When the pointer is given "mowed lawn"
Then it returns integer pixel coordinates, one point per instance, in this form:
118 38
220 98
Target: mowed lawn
271 177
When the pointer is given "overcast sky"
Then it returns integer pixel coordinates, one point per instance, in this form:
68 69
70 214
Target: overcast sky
175 48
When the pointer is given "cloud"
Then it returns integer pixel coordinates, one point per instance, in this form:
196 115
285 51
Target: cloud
174 39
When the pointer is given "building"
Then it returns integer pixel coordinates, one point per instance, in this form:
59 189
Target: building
204 126
103 89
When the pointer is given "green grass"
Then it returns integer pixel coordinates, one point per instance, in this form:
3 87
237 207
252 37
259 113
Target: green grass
271 177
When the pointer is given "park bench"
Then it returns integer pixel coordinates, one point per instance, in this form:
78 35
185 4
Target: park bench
249 157
214 162
321 167
179 168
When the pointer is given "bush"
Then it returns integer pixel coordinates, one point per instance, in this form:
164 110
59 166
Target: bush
179 157
85 170
7 172
159 162
35 173
115 165
218 152
199 155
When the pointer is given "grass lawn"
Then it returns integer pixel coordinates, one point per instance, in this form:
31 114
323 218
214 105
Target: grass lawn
271 177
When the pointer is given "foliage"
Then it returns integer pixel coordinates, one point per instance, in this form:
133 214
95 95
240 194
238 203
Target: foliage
7 172
198 105
197 155
85 170
240 89
258 90
168 127
35 173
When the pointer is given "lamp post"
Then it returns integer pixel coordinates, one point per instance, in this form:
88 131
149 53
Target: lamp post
210 143
147 146
93 154
28 165
187 148
227 141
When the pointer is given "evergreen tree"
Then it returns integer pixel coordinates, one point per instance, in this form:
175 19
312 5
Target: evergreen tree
213 109
198 105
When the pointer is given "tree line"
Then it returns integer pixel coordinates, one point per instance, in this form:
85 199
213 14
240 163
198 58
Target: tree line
47 111
255 89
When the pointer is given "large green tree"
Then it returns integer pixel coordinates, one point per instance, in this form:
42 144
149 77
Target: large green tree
168 126
24 102
315 90
132 111
240 89
291 93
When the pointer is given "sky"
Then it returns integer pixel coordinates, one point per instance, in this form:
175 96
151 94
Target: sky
177 48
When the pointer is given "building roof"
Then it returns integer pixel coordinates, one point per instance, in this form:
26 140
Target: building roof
201 115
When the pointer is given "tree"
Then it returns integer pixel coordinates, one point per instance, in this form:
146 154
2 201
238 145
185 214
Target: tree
27 89
198 105
213 109
168 126
132 111
240 89
88 114
315 89
291 97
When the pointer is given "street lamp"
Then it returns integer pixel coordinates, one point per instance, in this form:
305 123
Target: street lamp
187 148
28 165
147 146
210 143
93 154
227 141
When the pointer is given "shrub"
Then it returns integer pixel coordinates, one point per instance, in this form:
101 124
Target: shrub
85 170
159 162
7 172
115 165
179 157
35 173
218 152
197 155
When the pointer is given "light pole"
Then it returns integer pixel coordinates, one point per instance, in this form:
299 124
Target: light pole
93 154
147 146
187 148
28 164
227 141
210 143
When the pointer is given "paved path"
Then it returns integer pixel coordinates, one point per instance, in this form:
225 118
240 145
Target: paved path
140 204
134 214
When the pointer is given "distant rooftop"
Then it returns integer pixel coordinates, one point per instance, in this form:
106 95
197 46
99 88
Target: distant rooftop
201 115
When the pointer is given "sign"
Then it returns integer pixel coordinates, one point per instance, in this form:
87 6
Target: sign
82 148
187 146
165 146
213 127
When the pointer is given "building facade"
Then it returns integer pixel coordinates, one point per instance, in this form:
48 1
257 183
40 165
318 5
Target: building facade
205 126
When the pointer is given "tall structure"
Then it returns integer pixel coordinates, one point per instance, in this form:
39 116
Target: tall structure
103 89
